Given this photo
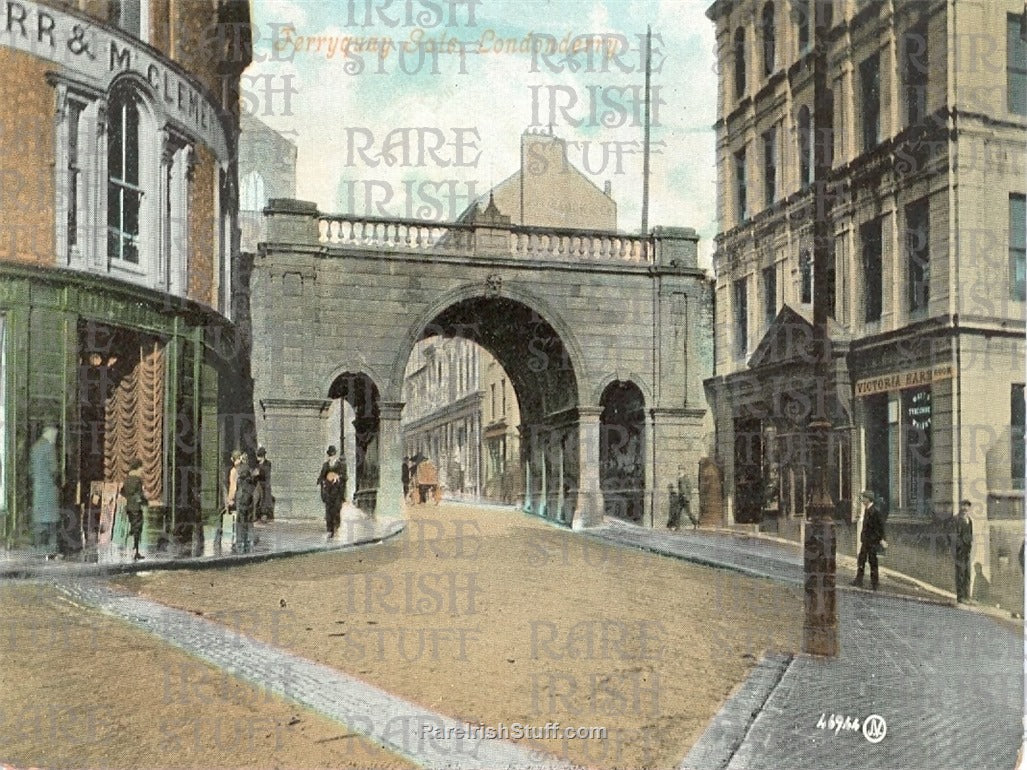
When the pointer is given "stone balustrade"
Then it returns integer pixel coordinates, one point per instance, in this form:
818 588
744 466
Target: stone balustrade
516 241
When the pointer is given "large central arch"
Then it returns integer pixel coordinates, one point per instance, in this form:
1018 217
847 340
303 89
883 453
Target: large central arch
541 366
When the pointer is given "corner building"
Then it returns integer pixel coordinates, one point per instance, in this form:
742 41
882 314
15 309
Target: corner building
926 276
116 250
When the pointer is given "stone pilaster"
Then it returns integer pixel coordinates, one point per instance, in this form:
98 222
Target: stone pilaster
390 458
291 430
589 511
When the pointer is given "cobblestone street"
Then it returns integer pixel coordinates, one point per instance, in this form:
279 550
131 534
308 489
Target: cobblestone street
479 616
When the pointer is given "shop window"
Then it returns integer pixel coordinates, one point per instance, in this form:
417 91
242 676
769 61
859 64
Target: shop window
870 101
805 147
916 450
769 294
870 238
742 212
1016 63
769 38
1018 247
769 167
739 62
741 308
1017 448
3 413
915 73
918 255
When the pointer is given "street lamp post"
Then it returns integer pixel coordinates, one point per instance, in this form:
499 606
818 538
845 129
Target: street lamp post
820 626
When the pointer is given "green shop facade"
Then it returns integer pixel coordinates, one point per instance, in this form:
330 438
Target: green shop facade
122 372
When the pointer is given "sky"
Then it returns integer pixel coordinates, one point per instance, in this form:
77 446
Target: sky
406 108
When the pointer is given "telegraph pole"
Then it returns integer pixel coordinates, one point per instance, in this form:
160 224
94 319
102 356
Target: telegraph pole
820 626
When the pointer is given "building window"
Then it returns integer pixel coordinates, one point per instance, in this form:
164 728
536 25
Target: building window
74 172
742 212
502 391
914 73
741 319
769 43
1017 446
3 413
800 13
805 148
918 254
1016 64
806 277
739 63
770 293
1018 247
878 440
870 238
492 400
870 101
130 15
124 191
252 195
829 281
769 167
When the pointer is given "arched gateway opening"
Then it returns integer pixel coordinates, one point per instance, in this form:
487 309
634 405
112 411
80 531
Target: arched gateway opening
353 428
541 373
622 450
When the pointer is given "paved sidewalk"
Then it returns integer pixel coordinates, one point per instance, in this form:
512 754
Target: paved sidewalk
281 537
402 726
946 681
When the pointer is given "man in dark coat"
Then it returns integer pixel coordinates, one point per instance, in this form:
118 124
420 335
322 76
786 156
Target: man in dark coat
870 540
132 491
962 545
332 482
265 501
243 501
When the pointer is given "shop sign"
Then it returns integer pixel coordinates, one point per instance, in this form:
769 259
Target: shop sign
901 380
96 54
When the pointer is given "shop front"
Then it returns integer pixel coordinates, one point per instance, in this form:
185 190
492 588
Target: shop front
123 373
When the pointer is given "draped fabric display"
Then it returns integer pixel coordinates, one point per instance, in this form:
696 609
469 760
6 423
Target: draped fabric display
135 422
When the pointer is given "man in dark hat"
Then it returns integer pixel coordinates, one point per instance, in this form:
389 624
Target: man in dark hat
870 539
962 545
332 482
265 501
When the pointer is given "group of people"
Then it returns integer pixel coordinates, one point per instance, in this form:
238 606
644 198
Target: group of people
872 543
249 495
420 480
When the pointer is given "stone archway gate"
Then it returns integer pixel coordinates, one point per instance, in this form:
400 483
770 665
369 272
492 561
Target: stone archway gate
332 294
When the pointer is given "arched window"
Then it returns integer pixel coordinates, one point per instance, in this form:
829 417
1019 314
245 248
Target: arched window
124 184
800 12
805 147
768 38
806 277
739 63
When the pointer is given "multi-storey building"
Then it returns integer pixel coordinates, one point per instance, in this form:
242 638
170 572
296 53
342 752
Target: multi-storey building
926 276
116 249
442 415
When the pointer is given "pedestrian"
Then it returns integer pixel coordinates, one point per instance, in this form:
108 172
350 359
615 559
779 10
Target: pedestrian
45 492
962 545
427 478
405 473
674 515
240 498
332 482
132 491
871 539
265 501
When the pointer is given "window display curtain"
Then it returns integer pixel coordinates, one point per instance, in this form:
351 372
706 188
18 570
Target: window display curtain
135 422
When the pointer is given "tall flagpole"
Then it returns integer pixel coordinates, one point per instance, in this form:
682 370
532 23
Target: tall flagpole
645 141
